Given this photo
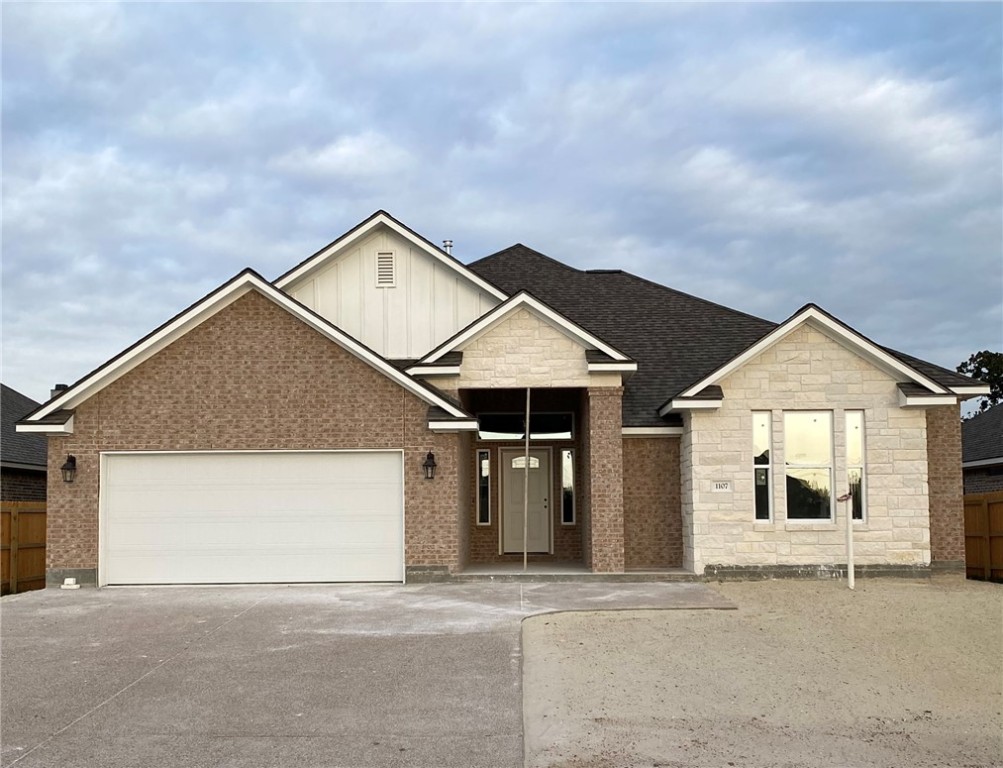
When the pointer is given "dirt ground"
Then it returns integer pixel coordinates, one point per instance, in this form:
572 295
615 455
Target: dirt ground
804 673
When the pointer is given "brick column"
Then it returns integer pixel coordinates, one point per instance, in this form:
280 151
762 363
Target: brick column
947 505
605 468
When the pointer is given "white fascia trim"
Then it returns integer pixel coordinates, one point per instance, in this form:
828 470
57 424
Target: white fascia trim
651 431
814 315
384 220
499 313
925 401
982 463
434 370
611 367
972 390
690 404
47 429
27 467
453 426
216 302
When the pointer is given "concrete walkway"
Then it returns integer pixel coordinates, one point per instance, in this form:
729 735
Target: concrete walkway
358 676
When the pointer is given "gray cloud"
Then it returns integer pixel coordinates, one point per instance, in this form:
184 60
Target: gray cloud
760 156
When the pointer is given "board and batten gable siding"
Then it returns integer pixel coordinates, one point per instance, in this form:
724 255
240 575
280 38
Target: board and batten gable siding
253 377
805 371
428 304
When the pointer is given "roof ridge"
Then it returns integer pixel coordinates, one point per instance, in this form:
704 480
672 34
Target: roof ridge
526 248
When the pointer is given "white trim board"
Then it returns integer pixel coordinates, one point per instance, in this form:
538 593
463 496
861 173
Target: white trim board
832 328
47 429
381 218
524 300
982 463
216 301
651 431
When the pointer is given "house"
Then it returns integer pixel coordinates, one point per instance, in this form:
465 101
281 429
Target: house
361 418
22 456
982 451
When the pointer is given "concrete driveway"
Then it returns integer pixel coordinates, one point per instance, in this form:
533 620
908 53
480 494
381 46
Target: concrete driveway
425 675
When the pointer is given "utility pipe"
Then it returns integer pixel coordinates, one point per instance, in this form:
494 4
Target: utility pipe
846 498
525 494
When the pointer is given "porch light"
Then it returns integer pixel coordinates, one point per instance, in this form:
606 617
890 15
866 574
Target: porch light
429 466
69 469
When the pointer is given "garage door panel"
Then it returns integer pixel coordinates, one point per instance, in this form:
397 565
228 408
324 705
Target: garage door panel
246 517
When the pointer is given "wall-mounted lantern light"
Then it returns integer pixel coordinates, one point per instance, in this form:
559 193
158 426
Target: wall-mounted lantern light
69 469
429 466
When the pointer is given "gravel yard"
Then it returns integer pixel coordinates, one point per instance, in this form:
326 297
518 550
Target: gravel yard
804 673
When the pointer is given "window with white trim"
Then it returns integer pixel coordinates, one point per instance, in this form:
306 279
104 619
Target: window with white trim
808 464
762 464
855 476
484 488
567 487
386 269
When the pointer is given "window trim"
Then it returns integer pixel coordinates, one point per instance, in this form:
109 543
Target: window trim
862 466
768 466
574 500
483 454
831 467
522 438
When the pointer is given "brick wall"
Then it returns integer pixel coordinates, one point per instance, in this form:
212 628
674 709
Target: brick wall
605 441
652 519
22 485
947 506
253 377
983 479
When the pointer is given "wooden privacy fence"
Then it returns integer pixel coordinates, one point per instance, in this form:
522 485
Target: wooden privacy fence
984 536
22 546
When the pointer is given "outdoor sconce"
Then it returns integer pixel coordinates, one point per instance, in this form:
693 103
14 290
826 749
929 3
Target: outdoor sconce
429 466
69 469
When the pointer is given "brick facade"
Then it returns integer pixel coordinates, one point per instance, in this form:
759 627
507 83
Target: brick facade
605 479
947 516
22 484
253 377
652 515
984 479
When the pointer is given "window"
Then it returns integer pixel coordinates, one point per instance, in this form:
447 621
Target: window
519 462
512 426
808 454
484 488
855 460
761 464
386 270
567 487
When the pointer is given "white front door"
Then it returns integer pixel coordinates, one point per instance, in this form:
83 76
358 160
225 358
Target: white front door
514 473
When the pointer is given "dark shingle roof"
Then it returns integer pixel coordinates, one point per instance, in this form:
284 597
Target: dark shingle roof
982 436
676 339
17 447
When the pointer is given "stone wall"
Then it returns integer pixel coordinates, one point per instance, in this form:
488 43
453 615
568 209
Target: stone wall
947 504
605 419
805 371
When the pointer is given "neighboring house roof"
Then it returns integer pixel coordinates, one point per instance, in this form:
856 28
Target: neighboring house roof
677 340
982 438
206 307
17 450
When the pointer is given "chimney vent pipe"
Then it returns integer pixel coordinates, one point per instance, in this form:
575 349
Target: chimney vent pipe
447 246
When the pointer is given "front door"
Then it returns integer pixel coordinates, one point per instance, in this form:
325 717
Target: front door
514 473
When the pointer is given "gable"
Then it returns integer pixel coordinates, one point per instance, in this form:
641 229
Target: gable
390 289
217 301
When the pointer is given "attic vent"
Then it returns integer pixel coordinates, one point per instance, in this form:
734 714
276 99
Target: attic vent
386 270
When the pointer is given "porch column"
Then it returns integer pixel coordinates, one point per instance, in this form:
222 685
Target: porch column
605 475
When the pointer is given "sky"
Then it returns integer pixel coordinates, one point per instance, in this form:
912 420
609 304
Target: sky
758 155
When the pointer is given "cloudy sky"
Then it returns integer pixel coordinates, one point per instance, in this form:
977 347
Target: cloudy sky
761 156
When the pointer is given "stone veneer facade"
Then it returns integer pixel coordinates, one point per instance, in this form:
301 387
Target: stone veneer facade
253 377
805 371
947 494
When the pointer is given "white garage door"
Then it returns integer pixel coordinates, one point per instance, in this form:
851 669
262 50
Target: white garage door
217 518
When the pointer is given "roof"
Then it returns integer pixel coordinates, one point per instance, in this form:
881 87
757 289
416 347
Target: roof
15 448
982 436
676 339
